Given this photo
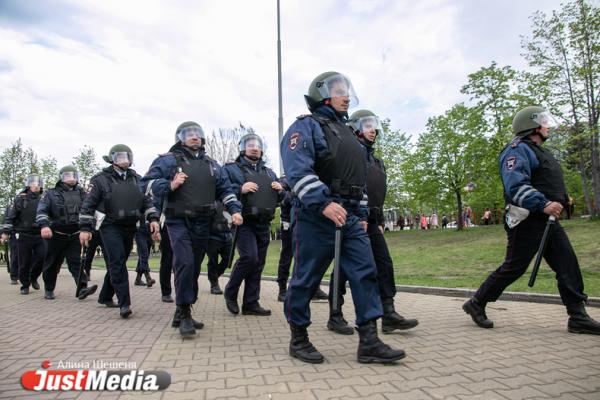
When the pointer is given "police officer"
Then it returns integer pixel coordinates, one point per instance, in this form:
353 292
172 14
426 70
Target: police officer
58 218
189 182
258 187
219 246
285 256
534 189
12 259
143 243
115 203
326 166
20 219
367 127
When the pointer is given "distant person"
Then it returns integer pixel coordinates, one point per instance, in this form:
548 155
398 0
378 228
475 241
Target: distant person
444 221
487 216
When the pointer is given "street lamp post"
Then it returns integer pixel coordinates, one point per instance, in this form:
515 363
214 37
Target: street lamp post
280 120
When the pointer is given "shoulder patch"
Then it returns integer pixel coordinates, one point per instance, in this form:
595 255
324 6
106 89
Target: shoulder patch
511 162
89 188
294 139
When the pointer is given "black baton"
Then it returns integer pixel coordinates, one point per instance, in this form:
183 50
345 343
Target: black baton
81 270
541 250
335 303
232 251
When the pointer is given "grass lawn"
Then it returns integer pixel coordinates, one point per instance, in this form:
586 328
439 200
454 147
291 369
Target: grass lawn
450 258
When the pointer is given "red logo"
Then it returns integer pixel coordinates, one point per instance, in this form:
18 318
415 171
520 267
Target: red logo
294 138
93 379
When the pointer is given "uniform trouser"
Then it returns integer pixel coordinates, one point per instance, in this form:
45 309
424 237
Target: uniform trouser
31 251
523 244
13 257
216 249
285 256
166 262
252 244
313 242
93 245
118 241
189 239
59 247
143 242
383 262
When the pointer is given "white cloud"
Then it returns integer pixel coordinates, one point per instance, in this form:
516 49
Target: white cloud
112 71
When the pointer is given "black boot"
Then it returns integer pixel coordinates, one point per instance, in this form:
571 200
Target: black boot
338 324
580 321
186 325
282 291
302 348
177 320
214 287
138 280
371 349
87 291
392 320
476 309
149 280
320 295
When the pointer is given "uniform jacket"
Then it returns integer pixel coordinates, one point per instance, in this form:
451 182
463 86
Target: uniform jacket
12 216
163 169
299 147
102 183
517 163
50 206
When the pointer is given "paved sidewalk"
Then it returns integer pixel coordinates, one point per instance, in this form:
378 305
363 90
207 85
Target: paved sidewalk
528 355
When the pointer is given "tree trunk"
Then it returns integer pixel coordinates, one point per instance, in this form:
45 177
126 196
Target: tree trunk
459 216
584 182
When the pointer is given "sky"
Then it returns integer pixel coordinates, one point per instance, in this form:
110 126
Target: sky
98 73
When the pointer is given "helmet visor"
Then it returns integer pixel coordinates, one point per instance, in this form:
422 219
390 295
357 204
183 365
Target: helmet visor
337 85
369 123
69 176
545 119
190 132
122 157
34 180
251 143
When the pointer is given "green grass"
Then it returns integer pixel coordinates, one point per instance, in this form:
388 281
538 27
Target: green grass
450 258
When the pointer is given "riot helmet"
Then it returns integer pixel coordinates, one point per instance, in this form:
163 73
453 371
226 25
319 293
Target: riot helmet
530 118
249 144
327 85
119 155
68 175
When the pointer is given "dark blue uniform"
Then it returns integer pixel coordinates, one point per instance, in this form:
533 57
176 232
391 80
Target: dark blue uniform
285 256
20 219
532 178
188 234
219 246
59 209
143 243
116 194
307 159
253 236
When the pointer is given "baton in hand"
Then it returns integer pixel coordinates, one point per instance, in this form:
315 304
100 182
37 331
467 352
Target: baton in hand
541 250
81 271
335 303
232 251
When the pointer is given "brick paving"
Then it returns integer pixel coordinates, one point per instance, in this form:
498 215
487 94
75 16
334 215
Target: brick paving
528 355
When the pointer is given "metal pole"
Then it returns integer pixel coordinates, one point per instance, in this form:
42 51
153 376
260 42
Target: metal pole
279 95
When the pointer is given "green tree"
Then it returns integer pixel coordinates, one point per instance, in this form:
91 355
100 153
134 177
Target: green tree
86 164
564 51
447 157
16 163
